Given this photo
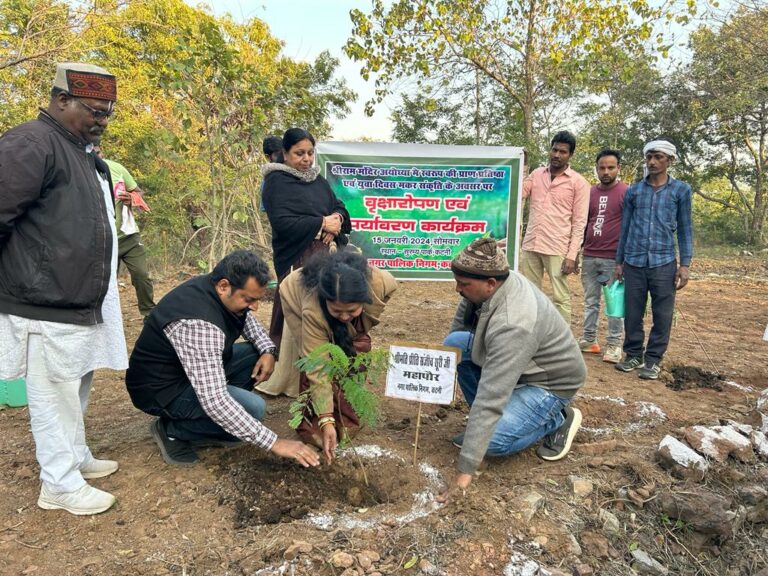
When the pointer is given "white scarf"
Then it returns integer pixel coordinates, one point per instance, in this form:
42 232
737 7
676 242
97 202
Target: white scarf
660 146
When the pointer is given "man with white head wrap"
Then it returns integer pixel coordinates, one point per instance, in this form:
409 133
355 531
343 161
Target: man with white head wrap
664 146
655 210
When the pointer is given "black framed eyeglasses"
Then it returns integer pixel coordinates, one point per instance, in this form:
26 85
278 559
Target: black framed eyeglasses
97 114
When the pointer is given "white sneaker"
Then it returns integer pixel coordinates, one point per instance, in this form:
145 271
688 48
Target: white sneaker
612 354
83 502
99 469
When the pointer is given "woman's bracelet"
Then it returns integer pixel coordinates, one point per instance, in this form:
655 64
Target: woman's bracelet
327 420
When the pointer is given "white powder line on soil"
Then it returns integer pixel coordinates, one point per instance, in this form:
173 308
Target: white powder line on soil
739 386
424 501
648 412
371 451
615 399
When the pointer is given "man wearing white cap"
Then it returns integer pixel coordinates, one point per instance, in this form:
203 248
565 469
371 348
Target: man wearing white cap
656 209
59 309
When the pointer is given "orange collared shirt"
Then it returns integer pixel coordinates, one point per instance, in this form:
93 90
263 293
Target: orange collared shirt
558 212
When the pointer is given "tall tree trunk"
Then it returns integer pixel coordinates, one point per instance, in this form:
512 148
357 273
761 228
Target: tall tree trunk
477 107
529 63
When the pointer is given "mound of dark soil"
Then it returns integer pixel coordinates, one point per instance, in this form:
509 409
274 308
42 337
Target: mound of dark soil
270 490
687 377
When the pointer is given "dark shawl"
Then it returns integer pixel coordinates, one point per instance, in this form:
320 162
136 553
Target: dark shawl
296 209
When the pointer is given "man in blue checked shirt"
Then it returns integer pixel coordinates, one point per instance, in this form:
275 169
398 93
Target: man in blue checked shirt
655 209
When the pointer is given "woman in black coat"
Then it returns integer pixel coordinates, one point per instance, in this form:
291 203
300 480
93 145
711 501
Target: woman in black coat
305 215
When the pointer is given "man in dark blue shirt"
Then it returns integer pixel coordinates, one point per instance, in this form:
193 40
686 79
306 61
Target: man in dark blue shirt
655 210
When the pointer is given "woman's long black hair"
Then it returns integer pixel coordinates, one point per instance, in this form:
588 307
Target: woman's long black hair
338 277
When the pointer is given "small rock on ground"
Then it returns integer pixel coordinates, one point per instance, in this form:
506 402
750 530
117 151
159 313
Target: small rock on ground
583 570
342 559
595 544
298 547
645 564
680 459
580 486
527 505
706 512
611 524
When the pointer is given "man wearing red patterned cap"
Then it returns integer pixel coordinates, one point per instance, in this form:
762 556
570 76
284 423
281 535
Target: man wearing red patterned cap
520 364
59 309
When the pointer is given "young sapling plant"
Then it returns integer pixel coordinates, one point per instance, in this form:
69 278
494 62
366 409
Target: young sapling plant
354 376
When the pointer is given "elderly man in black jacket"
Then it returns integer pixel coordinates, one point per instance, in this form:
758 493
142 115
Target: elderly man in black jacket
59 309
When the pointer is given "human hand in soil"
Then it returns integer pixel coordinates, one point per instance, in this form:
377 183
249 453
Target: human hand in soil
327 238
303 454
681 277
330 442
618 273
263 368
455 489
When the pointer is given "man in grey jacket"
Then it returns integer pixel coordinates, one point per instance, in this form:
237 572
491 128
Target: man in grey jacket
520 365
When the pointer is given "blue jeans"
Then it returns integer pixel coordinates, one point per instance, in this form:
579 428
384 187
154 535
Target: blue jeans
530 414
659 282
185 419
593 269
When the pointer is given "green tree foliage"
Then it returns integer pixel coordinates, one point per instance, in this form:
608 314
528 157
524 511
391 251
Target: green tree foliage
533 49
33 35
622 113
728 114
196 95
475 112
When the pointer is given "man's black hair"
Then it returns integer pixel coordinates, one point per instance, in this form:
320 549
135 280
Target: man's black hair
564 137
271 145
608 152
240 265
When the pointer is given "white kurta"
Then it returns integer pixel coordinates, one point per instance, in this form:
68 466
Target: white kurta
70 351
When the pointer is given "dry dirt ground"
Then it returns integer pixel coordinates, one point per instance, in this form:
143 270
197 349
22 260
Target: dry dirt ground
230 515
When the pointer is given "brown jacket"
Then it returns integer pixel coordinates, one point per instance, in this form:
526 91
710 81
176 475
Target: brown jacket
308 324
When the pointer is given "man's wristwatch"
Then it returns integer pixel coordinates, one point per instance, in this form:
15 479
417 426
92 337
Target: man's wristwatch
272 351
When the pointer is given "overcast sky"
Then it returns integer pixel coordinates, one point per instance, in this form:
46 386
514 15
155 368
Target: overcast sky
307 27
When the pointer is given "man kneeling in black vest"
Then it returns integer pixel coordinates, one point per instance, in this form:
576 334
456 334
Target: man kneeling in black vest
187 370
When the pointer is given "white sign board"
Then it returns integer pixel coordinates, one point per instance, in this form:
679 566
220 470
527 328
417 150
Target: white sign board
422 374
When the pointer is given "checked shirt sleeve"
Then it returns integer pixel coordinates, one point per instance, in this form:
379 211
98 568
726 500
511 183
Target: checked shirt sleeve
199 346
685 225
255 333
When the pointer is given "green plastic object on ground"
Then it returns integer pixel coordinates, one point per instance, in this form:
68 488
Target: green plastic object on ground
614 299
13 393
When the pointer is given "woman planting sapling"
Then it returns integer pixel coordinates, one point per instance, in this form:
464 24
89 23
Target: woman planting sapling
335 298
